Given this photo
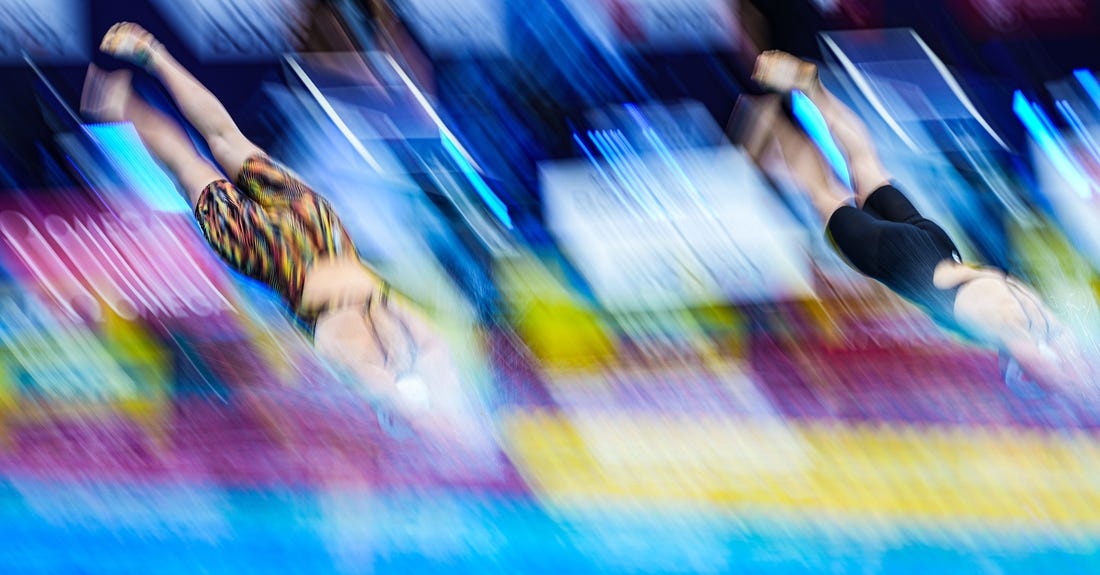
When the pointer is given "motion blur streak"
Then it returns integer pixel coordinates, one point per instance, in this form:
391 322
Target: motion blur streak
650 359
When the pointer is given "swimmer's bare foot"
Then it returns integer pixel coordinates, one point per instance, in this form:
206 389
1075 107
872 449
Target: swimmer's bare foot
105 94
130 42
783 72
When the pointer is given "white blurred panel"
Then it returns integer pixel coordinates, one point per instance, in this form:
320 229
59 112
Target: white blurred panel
707 230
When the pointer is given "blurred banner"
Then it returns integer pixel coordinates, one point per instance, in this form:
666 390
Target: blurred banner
50 31
92 260
1020 19
450 28
667 229
237 30
658 25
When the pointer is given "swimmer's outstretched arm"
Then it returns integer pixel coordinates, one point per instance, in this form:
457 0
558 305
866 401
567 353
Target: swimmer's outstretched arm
199 106
108 97
784 72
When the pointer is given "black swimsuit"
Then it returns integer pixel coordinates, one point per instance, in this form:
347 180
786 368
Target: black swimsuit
890 241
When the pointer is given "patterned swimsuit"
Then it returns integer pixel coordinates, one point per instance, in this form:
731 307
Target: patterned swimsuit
272 227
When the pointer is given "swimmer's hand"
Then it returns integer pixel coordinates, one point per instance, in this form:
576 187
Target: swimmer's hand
1057 364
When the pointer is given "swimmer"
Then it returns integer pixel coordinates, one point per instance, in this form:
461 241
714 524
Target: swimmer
882 235
270 225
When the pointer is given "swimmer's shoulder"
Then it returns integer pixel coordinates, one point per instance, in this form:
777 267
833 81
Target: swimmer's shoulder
951 274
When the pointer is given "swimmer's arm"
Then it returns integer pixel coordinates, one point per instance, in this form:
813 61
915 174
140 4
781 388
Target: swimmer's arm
1056 361
1037 364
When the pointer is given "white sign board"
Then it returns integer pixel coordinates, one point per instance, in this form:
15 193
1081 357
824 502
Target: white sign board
685 228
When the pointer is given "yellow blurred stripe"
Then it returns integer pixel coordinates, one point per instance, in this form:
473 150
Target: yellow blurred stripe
555 324
989 474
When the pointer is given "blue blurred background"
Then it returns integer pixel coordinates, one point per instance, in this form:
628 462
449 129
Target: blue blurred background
672 371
